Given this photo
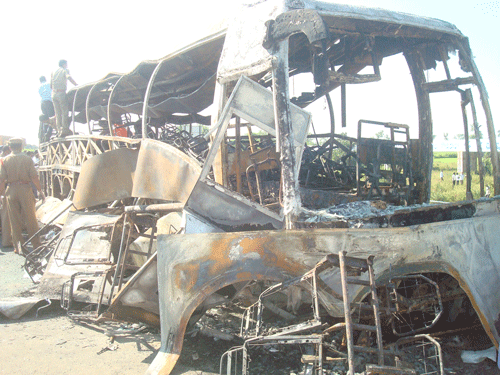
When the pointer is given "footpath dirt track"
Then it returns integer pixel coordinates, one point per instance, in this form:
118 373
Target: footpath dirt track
52 343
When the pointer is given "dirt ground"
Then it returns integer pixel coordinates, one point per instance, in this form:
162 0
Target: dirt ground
52 343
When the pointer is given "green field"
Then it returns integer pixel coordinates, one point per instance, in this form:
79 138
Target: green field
444 190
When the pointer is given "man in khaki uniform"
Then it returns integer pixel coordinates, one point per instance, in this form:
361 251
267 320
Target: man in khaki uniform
58 84
4 215
17 171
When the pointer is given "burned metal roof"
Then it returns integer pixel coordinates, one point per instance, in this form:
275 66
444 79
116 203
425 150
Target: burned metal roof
179 79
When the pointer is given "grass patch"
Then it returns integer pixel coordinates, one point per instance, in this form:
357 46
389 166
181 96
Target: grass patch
444 191
445 154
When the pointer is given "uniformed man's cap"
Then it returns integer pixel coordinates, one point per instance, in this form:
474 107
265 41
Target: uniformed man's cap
15 141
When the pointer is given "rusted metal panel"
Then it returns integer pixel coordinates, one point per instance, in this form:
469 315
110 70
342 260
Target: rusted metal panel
138 299
175 182
124 173
105 178
230 211
466 249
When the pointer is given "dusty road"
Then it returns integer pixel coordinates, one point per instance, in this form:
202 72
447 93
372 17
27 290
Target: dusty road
52 343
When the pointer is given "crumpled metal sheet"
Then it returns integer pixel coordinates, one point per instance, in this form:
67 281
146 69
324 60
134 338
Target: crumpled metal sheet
230 211
156 171
105 178
243 53
49 208
164 172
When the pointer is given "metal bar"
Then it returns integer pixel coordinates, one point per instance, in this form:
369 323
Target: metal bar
447 85
244 361
416 65
146 99
110 99
347 313
468 188
315 295
343 96
465 51
162 207
376 311
444 57
320 357
101 292
250 138
124 258
259 318
283 124
478 141
120 256
238 154
332 122
73 111
229 360
151 239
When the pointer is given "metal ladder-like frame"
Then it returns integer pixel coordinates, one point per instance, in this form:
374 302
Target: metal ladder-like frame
350 270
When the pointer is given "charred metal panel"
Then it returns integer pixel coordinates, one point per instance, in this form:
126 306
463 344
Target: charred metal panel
230 211
296 21
156 171
74 253
138 300
466 249
105 178
164 172
255 103
194 102
247 36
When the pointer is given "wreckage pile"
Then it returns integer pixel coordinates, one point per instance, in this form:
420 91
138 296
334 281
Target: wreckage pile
324 242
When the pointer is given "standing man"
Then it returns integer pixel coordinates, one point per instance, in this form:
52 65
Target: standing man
4 213
17 172
59 83
45 92
46 96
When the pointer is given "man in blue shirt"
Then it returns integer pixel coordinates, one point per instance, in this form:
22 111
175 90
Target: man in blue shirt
45 92
46 95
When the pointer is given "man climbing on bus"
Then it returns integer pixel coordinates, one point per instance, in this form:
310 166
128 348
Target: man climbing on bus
59 83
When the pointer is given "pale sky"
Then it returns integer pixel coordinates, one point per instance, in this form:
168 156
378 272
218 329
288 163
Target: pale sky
98 37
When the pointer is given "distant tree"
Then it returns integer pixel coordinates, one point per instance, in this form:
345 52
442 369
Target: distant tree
473 132
460 137
445 135
381 135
